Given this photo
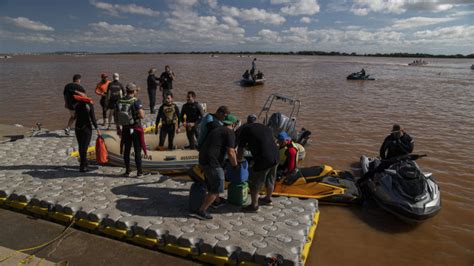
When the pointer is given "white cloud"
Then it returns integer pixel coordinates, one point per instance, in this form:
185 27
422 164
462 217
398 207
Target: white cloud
452 34
254 14
415 22
26 37
115 9
363 7
203 29
299 7
112 28
305 20
269 36
230 21
26 23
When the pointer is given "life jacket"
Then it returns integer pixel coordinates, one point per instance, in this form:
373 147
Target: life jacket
126 113
284 154
80 98
102 87
115 90
170 115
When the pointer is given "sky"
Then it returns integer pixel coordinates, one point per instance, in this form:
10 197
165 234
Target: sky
361 26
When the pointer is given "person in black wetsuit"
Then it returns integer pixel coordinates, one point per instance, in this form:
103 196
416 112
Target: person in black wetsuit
167 121
191 114
396 144
152 84
166 79
85 120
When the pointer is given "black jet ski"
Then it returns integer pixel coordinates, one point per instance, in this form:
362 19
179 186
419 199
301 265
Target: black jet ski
359 76
402 189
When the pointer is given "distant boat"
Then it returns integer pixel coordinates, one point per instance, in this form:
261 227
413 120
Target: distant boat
420 62
472 67
252 82
5 57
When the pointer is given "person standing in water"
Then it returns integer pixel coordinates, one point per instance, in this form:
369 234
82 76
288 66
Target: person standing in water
152 84
166 79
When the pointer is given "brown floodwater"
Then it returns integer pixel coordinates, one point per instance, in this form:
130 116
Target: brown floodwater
435 104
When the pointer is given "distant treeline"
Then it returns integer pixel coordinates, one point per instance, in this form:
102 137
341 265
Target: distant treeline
415 55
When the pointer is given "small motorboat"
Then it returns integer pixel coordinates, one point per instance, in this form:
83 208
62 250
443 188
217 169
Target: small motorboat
284 120
472 66
402 189
252 82
419 62
359 76
178 160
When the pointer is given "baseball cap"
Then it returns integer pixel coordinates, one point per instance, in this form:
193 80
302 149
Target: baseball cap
131 86
115 76
283 136
229 120
251 118
396 127
103 75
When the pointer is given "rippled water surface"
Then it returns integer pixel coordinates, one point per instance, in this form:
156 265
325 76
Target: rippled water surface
435 104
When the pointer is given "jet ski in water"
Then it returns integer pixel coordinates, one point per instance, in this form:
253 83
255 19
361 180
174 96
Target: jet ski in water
402 189
359 76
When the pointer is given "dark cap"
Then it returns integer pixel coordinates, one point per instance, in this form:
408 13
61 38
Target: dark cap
251 118
103 75
223 110
396 127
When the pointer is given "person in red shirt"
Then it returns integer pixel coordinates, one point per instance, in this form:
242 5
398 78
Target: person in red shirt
101 90
288 154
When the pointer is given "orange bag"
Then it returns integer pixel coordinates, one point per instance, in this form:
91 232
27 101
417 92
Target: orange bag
101 155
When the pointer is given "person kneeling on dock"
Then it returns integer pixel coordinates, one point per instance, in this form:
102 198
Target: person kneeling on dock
219 143
128 115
